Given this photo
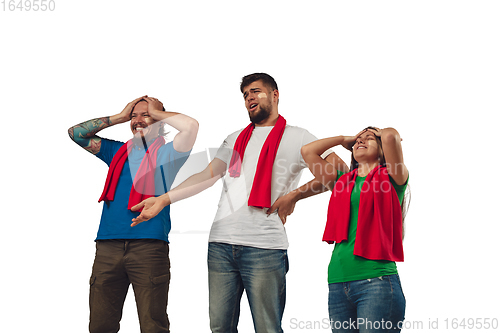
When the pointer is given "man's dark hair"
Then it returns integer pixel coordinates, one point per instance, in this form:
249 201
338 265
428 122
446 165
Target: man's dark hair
266 79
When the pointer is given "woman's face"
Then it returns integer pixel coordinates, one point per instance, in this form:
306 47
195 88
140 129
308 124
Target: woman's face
365 148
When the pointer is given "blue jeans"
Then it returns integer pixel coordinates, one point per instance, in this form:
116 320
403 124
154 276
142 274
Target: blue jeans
260 272
371 305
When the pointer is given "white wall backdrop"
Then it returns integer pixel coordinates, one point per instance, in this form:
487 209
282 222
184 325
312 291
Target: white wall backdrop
428 68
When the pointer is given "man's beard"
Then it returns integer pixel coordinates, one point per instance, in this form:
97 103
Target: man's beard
261 115
148 133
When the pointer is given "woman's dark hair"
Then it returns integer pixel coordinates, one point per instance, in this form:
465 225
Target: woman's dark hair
265 78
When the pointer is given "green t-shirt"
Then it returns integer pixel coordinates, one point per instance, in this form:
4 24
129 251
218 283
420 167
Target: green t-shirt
344 265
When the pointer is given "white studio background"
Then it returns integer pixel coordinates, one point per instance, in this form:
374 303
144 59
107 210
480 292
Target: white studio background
427 68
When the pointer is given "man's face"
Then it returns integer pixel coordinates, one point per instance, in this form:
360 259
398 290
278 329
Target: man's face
258 101
141 123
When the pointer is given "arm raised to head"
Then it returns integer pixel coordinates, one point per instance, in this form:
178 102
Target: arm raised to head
187 126
393 153
84 134
325 170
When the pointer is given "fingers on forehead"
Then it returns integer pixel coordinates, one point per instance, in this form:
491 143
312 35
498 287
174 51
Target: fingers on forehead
360 133
366 131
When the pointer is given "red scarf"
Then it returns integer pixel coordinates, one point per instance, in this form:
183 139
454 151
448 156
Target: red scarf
379 235
260 195
143 186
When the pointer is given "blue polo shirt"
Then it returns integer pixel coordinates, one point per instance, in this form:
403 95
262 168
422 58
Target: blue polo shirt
116 217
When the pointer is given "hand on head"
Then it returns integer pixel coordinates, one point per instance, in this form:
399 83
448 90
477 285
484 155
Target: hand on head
349 141
154 105
375 130
125 114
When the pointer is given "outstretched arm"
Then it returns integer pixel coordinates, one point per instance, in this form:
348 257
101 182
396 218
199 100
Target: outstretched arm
84 134
191 186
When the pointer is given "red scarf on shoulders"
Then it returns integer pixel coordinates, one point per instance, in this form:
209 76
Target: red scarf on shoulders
143 186
260 195
379 234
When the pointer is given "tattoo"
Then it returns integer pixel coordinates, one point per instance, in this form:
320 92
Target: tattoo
84 134
71 133
93 126
94 145
95 122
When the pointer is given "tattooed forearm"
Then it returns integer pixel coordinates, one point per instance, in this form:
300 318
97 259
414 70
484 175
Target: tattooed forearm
91 127
84 134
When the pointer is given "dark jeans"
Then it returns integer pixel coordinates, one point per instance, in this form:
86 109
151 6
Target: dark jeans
144 263
366 306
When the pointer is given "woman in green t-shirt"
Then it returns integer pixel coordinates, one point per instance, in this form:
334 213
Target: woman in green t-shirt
365 221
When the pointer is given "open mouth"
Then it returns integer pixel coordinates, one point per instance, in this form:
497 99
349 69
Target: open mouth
253 107
139 128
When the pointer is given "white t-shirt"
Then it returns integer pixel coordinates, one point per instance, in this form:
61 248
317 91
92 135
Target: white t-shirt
237 223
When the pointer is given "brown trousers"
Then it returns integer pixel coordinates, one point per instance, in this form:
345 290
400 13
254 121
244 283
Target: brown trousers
144 263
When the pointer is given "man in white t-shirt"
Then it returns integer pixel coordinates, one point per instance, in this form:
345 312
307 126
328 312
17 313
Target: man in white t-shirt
248 242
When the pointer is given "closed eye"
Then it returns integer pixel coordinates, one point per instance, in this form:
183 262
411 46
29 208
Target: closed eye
367 137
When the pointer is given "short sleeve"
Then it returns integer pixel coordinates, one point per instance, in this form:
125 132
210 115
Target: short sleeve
225 150
306 139
108 150
170 162
400 189
174 158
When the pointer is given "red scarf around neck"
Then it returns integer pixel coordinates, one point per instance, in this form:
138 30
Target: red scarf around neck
379 234
143 186
260 195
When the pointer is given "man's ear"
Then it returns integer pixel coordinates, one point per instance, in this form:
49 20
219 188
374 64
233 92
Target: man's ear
276 95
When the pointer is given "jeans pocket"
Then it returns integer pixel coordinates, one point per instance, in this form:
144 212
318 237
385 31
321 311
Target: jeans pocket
287 263
396 284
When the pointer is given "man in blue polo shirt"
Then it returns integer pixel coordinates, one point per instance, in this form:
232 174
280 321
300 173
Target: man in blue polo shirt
142 167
